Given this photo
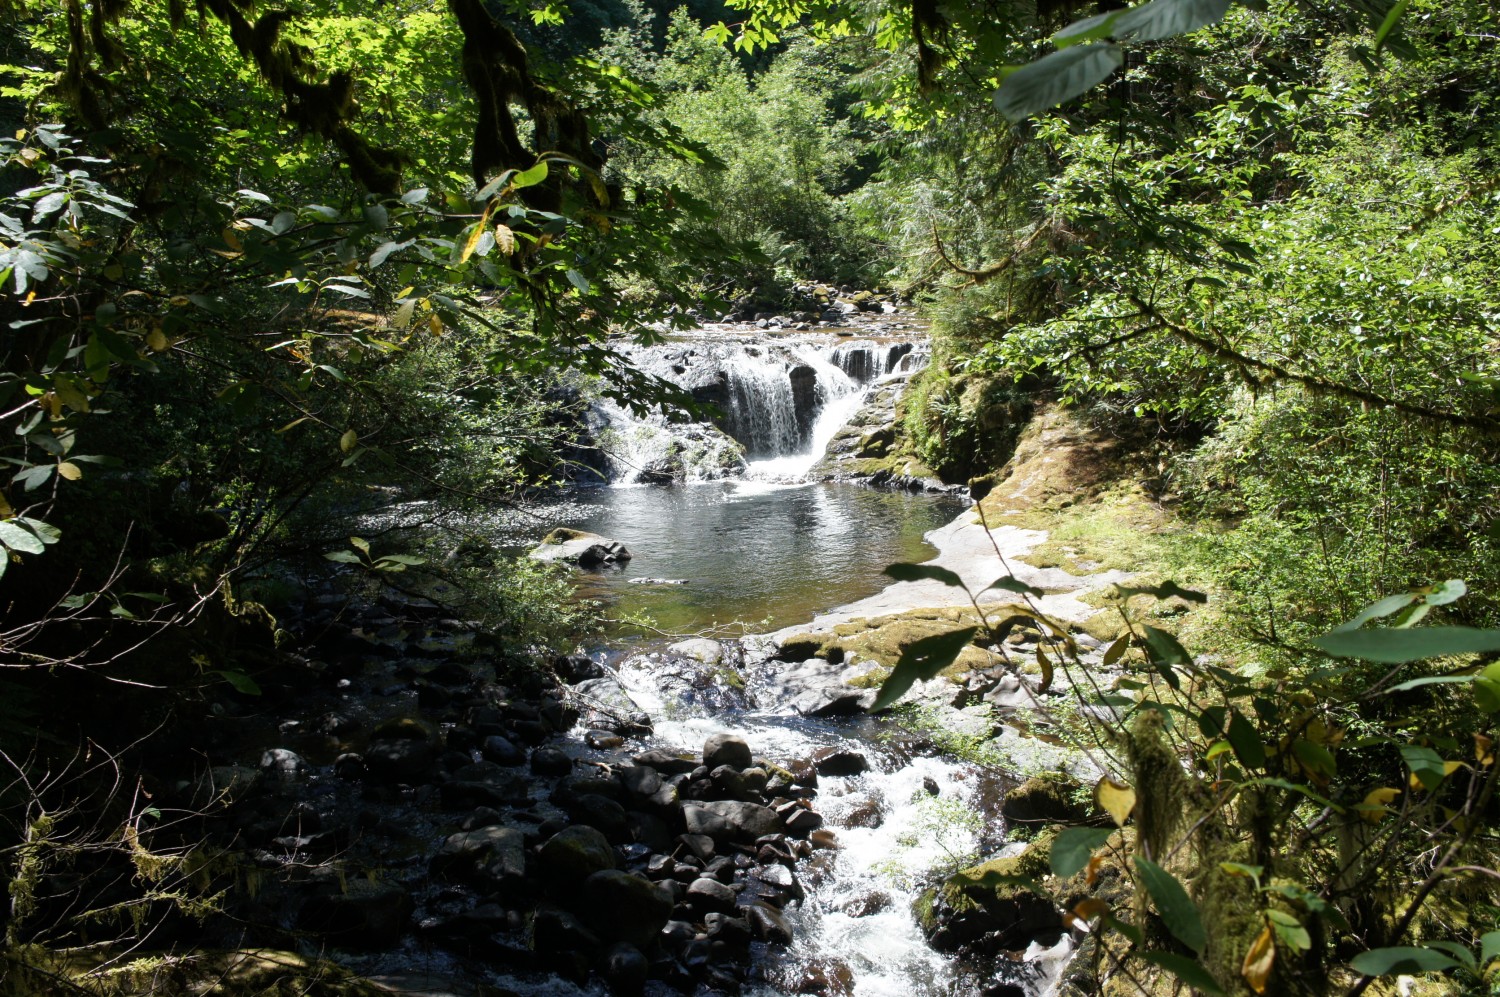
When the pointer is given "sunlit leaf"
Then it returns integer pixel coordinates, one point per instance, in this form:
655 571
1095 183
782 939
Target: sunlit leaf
1056 78
1115 799
1256 969
1073 846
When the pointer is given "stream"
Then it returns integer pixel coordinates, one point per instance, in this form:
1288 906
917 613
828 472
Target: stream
766 548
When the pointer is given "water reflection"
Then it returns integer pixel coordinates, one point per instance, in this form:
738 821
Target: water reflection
749 551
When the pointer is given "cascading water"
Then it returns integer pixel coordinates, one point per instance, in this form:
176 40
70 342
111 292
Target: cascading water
782 399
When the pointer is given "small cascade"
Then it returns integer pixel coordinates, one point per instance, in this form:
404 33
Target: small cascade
782 400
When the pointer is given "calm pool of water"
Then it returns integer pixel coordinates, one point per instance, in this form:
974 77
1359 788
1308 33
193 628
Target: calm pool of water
750 552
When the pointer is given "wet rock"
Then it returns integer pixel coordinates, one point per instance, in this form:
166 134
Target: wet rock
686 686
555 931
282 763
666 761
640 781
603 740
626 970
707 895
494 857
730 820
599 812
802 822
587 550
501 751
867 814
824 839
575 853
400 760
768 924
624 907
484 784
726 749
839 762
550 762
867 904
1004 916
827 976
364 915
700 649
575 668
349 766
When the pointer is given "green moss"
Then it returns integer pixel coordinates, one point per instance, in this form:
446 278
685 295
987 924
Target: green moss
562 535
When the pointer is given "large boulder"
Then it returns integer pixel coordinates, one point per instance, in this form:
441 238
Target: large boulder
587 550
730 820
623 907
575 853
491 856
364 915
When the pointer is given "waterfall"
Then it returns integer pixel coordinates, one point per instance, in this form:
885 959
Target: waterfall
781 400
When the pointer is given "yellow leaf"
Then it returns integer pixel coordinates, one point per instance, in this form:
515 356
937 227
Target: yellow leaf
1046 668
1259 960
232 240
68 469
348 440
1484 750
601 192
1086 911
180 301
1380 798
505 239
70 395
1451 767
6 512
1116 799
475 235
435 324
157 340
20 133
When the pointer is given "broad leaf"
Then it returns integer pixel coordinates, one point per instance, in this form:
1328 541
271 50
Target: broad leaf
21 539
1166 590
1401 959
1074 846
1090 29
1116 799
1426 765
1256 969
1176 908
1168 18
1396 647
922 659
1058 77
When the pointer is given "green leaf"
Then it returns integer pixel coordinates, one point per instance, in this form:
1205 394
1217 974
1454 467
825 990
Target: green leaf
404 559
916 572
1289 930
343 557
1074 846
1058 77
1185 969
1392 18
1168 18
46 532
1165 649
1401 959
361 543
1426 764
20 539
1090 29
1396 647
242 683
922 659
1489 947
1430 680
531 177
1456 950
1176 908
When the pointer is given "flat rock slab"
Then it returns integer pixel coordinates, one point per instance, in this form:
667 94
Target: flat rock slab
587 550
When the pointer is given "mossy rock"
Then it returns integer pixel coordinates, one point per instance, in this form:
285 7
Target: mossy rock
801 647
984 900
1050 798
238 973
1106 625
563 534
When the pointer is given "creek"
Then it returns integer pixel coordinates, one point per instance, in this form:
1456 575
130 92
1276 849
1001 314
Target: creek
757 546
